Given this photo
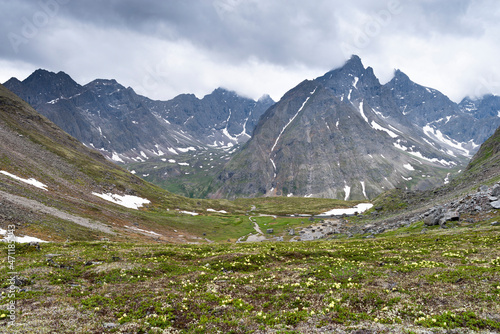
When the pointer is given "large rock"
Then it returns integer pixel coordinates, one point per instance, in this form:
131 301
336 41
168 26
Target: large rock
450 216
495 191
433 216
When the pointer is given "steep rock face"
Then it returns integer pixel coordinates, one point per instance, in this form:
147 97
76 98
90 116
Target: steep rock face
128 127
344 135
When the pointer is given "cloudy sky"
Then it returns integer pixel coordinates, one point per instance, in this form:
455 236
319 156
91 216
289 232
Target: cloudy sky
163 48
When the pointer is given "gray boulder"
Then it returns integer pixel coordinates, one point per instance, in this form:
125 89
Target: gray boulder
495 205
495 191
450 216
433 216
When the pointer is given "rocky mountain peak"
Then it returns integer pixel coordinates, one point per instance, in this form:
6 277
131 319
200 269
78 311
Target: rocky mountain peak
265 99
400 79
13 83
44 76
354 65
223 94
484 107
344 135
42 86
351 68
104 86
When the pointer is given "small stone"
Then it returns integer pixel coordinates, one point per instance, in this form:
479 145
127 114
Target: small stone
52 255
270 230
495 224
92 263
19 281
108 325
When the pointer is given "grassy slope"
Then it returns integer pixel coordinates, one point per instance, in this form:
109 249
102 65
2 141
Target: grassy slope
485 165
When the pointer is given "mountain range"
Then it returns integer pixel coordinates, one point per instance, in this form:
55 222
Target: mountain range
128 127
342 135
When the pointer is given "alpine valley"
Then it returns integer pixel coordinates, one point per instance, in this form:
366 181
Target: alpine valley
92 248
342 135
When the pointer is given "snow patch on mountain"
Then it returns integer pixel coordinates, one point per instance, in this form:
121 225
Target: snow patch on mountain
141 230
361 111
363 187
24 239
409 167
421 156
360 208
218 211
356 79
128 201
347 191
185 149
440 137
377 126
30 181
116 157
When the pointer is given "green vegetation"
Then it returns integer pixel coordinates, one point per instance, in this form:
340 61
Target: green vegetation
292 205
445 279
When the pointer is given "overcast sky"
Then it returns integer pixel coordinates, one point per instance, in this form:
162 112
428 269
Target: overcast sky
163 48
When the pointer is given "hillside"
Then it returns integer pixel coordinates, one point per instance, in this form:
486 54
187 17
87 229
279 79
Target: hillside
52 187
486 162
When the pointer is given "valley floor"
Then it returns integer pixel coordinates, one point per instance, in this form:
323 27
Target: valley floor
442 281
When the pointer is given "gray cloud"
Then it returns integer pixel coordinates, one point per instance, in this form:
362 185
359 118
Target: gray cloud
164 48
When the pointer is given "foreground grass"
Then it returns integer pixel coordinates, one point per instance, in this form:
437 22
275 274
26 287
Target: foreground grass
441 280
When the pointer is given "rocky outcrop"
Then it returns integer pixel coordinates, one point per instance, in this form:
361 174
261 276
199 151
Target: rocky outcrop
469 206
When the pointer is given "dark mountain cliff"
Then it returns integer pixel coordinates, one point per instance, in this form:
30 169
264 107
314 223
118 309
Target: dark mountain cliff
344 135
